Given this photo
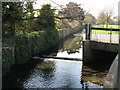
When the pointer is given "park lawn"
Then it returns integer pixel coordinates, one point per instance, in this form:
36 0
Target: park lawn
106 32
109 26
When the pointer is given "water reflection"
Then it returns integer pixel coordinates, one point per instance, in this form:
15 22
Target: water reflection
72 45
95 72
93 76
18 75
47 69
41 76
57 74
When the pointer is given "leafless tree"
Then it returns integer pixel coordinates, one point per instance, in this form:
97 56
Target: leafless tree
105 16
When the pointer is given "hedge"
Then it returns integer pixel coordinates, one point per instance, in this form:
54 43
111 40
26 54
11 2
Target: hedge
25 46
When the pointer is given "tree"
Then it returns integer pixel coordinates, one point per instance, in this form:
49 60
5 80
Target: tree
105 16
73 11
47 17
28 10
109 15
115 20
70 16
89 18
13 12
101 17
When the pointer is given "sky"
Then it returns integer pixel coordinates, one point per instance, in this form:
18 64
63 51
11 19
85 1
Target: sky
91 6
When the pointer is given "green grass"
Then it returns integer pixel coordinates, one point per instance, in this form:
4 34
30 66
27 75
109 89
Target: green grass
109 26
106 32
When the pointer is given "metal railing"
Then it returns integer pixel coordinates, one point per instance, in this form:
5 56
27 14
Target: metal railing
100 34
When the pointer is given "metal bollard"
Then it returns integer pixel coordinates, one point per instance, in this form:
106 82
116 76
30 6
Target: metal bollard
88 31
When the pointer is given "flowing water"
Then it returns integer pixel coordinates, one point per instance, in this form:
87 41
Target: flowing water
58 73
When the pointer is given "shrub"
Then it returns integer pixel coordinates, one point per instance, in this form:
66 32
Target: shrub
7 59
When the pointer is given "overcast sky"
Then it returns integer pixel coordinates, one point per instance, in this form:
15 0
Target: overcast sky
93 6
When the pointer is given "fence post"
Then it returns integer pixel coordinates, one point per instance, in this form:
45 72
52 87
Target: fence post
111 35
88 31
89 34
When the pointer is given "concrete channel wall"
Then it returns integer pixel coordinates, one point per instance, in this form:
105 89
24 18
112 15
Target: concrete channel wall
93 51
111 79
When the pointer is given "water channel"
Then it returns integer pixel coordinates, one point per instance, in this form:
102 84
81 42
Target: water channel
58 73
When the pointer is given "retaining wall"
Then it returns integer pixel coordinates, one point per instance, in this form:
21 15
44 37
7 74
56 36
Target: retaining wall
92 51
